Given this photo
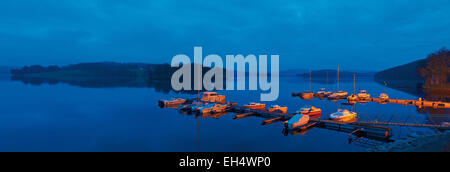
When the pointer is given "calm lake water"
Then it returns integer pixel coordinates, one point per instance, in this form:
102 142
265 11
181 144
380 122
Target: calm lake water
63 117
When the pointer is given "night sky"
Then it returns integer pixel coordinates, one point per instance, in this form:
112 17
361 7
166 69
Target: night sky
357 34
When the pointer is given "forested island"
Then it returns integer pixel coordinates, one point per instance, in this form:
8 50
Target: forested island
102 74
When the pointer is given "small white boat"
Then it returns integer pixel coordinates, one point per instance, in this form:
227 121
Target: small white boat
343 116
363 94
296 121
277 108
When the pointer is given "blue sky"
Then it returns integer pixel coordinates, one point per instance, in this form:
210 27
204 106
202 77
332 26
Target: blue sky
357 34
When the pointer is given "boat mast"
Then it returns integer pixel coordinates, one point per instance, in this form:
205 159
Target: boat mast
338 79
310 79
327 80
354 83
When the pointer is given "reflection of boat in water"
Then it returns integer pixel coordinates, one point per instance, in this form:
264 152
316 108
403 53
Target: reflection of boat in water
212 108
363 94
310 111
343 116
259 106
277 108
296 121
172 101
217 115
189 107
213 97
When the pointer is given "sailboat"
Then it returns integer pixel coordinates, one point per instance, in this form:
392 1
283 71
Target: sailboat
353 97
323 93
308 94
338 94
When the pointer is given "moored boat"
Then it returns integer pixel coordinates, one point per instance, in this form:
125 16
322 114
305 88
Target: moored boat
296 121
213 97
384 96
172 101
363 94
310 111
343 116
252 105
322 93
338 95
307 95
212 108
352 98
277 108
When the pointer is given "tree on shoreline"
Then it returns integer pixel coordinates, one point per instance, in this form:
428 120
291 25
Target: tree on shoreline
437 69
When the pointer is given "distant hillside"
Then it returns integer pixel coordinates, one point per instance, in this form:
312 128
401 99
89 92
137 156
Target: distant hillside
404 72
332 74
102 74
292 72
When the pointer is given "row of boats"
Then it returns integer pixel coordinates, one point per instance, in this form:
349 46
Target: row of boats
211 103
322 93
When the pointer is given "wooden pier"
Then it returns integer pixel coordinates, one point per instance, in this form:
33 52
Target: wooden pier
419 103
359 130
445 127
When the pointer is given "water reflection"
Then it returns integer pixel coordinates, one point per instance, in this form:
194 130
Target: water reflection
162 86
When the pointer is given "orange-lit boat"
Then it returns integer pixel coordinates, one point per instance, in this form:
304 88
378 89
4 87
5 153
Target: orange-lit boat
307 95
310 111
172 101
363 94
277 108
352 98
343 116
259 106
338 95
213 97
212 108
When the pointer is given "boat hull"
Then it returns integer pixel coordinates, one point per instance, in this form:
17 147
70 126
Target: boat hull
346 118
307 95
316 114
258 107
